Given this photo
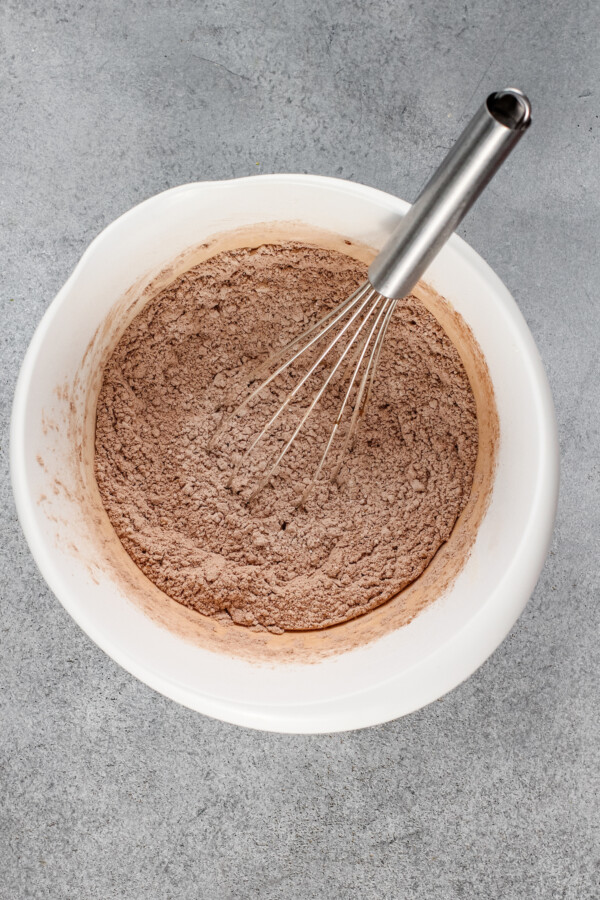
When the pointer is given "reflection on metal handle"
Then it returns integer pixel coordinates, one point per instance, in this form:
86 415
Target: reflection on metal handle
449 194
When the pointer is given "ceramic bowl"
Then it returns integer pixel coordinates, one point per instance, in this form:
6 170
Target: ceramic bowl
372 671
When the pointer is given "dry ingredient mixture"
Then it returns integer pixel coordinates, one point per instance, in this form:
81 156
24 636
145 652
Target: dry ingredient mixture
359 540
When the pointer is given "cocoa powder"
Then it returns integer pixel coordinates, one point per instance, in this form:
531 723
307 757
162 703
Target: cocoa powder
359 540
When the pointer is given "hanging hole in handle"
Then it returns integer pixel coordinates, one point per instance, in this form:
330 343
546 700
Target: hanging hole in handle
510 108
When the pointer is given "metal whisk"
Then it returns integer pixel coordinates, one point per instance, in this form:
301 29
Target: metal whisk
350 337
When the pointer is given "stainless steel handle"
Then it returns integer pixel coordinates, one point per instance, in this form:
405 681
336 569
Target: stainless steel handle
451 191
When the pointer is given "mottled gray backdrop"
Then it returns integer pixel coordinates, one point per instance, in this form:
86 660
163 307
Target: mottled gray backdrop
111 791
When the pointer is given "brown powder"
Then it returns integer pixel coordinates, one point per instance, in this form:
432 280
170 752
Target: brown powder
360 540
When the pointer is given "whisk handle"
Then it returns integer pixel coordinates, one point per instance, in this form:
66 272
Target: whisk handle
449 194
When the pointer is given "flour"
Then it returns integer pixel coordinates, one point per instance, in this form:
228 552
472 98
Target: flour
358 541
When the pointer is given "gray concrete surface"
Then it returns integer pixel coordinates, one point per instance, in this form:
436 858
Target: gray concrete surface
111 791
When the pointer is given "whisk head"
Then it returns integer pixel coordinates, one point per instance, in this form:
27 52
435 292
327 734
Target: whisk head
338 354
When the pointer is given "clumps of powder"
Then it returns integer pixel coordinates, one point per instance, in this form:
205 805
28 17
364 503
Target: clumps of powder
359 540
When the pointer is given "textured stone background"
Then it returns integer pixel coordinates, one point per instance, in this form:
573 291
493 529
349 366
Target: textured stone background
111 791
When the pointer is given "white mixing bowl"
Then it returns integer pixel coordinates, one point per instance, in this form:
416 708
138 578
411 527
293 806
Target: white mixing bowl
396 671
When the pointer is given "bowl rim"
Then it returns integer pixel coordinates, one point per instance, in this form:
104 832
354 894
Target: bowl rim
454 665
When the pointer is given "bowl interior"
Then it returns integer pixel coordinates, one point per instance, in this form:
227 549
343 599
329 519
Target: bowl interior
352 675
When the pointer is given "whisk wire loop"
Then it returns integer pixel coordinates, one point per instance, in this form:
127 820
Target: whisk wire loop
374 305
371 311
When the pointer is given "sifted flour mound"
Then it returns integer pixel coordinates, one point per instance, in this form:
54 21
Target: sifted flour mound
359 541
